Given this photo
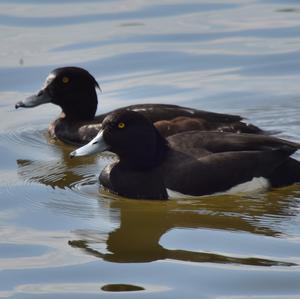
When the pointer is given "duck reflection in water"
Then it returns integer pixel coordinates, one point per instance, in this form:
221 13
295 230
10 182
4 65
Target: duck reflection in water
60 172
143 225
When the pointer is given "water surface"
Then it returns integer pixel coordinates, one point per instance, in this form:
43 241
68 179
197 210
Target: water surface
62 237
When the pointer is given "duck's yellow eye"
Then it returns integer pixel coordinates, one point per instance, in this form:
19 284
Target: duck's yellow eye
65 80
121 125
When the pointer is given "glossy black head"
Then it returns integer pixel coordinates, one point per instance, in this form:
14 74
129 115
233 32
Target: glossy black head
71 88
134 139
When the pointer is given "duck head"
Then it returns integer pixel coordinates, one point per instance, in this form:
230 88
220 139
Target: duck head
71 88
131 136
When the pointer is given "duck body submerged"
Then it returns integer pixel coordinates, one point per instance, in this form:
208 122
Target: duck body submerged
193 163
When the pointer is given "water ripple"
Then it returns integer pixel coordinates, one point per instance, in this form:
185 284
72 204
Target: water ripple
149 12
179 38
27 137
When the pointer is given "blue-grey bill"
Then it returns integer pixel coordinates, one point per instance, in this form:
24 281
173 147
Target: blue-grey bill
97 145
40 98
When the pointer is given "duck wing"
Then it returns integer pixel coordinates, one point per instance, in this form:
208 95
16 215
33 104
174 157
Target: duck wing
157 112
171 119
197 143
218 172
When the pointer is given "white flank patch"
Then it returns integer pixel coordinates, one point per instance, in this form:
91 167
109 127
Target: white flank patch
260 184
255 185
175 195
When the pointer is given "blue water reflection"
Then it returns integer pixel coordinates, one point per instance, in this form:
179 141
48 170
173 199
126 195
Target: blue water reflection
290 32
163 62
148 12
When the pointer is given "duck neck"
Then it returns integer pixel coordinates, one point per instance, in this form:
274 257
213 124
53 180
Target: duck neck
81 108
145 156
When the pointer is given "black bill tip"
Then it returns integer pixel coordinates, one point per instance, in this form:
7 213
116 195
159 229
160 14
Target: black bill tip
72 155
19 104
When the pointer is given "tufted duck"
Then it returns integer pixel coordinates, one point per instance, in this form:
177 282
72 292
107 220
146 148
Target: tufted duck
74 90
192 163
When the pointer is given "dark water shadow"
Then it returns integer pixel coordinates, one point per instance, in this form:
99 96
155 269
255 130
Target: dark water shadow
121 288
